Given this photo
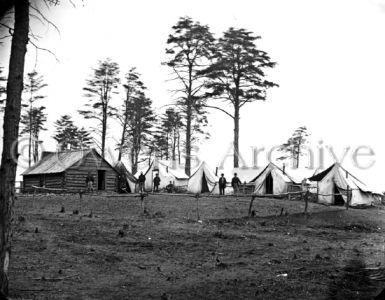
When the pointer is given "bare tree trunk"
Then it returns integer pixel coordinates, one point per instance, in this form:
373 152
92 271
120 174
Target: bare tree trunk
122 141
298 153
104 129
236 136
174 147
30 136
167 146
36 148
11 133
179 148
188 141
188 122
134 167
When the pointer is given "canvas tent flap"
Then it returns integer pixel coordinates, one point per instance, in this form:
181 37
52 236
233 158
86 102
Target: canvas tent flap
337 176
201 175
128 177
280 181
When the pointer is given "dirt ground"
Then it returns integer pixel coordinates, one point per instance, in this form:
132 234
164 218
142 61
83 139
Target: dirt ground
110 249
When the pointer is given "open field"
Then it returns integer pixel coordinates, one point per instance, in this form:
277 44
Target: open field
117 252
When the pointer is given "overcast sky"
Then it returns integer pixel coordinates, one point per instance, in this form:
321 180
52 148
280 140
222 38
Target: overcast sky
330 55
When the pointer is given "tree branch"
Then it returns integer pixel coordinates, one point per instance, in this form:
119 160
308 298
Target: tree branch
45 19
222 110
44 49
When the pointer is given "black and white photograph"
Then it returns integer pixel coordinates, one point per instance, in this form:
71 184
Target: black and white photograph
192 149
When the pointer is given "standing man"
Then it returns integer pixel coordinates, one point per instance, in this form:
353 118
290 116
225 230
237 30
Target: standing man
156 182
222 184
90 182
141 181
235 183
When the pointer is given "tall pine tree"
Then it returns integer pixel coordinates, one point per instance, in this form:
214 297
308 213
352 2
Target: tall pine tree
12 110
33 122
295 145
189 49
171 125
99 90
139 128
33 118
237 75
69 136
134 89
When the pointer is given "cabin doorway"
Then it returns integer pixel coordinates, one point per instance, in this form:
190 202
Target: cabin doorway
269 184
338 199
101 180
205 187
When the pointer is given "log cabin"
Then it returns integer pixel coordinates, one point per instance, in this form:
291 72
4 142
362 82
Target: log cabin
68 170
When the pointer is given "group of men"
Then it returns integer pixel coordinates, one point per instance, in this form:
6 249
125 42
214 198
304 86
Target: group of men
235 183
156 184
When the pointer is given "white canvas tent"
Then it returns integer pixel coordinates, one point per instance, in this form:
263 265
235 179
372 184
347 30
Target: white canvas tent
272 181
127 182
203 180
179 176
246 174
166 174
332 185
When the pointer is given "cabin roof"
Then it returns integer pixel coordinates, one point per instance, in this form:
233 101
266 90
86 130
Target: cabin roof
58 162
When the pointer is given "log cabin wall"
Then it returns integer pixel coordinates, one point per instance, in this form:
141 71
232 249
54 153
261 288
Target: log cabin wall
53 181
29 181
75 176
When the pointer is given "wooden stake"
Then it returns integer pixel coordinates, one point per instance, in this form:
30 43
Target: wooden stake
347 197
197 202
251 205
142 201
317 190
306 196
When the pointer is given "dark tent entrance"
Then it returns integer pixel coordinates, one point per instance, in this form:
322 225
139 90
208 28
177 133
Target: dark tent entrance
128 189
124 178
338 199
269 184
205 187
124 187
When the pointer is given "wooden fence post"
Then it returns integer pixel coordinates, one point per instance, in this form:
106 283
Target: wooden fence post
142 201
305 196
197 202
251 205
347 197
317 190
